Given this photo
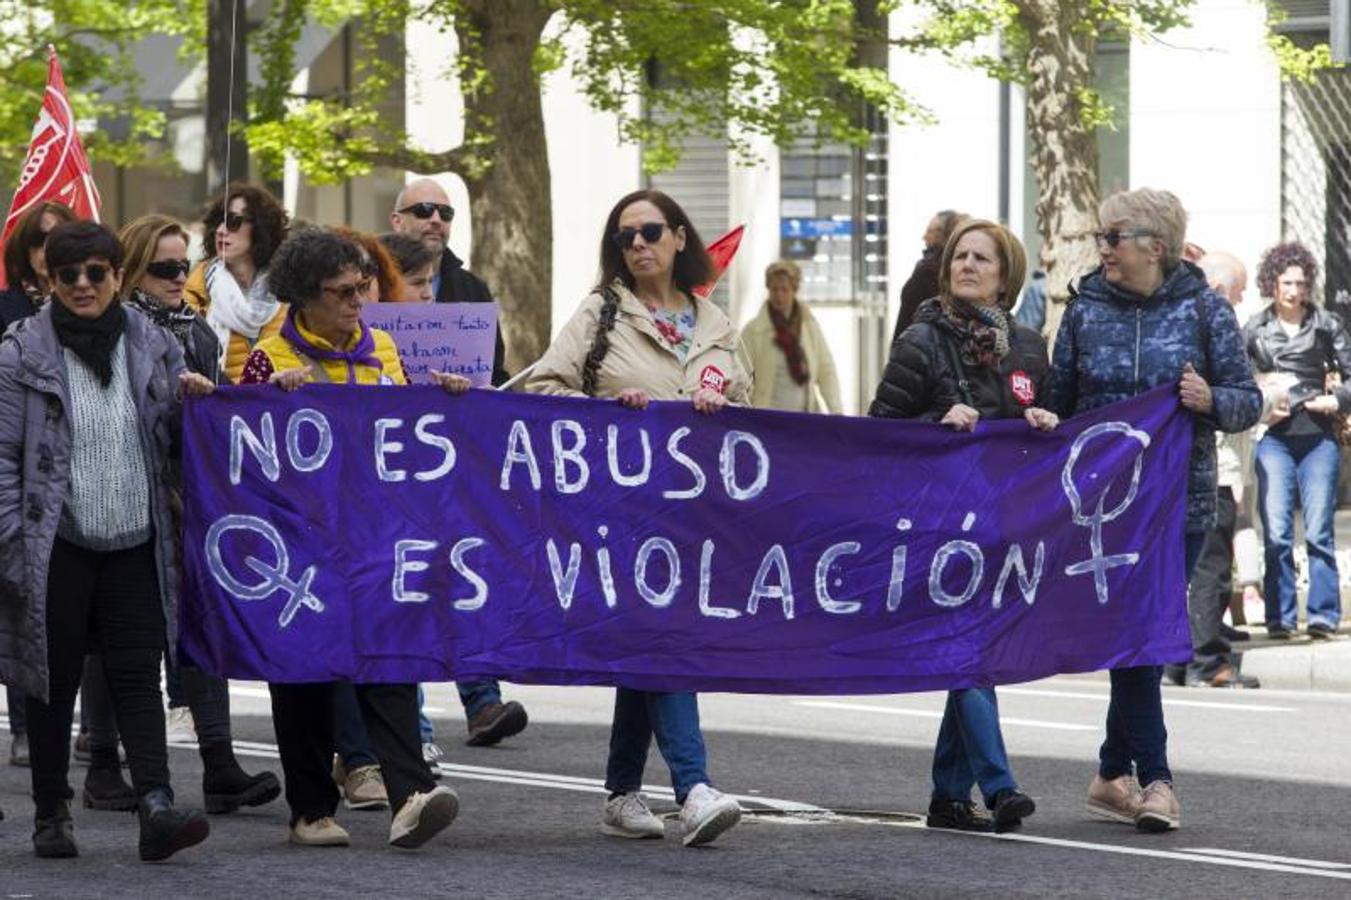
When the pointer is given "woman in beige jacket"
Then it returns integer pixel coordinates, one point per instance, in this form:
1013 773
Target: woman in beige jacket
793 365
643 336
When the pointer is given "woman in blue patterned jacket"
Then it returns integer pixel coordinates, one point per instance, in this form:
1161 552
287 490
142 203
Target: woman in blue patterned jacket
1143 319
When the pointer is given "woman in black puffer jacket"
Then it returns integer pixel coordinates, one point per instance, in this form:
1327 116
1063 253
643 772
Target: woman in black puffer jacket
964 359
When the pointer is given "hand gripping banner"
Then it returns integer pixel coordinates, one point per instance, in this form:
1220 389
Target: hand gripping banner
384 534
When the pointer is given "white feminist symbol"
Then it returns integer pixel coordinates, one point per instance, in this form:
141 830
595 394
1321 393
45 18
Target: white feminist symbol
275 578
1098 564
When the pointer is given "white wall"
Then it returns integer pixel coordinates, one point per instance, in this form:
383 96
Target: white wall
1205 124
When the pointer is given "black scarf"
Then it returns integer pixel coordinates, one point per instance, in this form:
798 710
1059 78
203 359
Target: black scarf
92 340
177 321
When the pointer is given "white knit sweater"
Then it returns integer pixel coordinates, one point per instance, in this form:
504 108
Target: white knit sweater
108 499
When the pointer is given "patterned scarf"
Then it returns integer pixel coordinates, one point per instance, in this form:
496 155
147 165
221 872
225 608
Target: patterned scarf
177 321
983 331
363 354
788 335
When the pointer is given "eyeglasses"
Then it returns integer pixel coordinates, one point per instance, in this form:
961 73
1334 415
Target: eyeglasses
168 269
348 292
651 232
69 275
1114 237
235 221
425 209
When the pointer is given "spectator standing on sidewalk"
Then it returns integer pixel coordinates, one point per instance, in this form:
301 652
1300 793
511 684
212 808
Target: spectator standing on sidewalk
923 281
1147 318
1295 344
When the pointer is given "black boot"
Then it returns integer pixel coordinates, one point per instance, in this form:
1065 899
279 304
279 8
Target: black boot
1010 808
104 787
54 832
226 786
165 830
957 815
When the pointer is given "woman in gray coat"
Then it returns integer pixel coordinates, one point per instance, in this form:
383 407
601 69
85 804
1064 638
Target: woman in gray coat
89 400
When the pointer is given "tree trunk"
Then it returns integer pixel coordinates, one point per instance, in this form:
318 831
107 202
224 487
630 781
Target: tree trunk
511 202
1060 63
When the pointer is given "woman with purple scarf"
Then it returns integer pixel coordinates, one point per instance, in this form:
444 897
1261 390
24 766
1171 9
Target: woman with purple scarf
324 340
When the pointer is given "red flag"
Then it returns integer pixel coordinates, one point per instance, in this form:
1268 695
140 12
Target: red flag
722 250
56 167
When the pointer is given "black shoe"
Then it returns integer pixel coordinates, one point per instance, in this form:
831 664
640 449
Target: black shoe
54 834
165 830
1010 808
226 787
1320 632
1234 635
1277 633
495 722
103 785
958 816
1176 674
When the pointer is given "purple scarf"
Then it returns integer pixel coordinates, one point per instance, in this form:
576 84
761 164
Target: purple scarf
362 354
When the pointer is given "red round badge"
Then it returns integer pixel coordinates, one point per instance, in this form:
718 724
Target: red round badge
1023 388
713 379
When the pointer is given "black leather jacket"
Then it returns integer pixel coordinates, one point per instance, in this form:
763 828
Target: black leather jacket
1319 347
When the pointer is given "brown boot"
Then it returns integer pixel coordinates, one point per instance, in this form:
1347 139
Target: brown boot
495 722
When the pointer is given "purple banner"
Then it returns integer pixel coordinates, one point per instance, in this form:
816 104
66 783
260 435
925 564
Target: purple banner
440 337
384 534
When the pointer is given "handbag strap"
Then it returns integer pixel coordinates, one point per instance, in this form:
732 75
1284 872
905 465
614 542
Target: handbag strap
955 361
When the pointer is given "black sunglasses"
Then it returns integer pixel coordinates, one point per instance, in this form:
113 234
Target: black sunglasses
69 275
348 292
235 221
1114 237
168 269
425 210
651 232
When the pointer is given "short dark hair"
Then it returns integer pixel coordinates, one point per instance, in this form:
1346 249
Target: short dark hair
28 236
1281 257
307 259
409 252
269 221
73 242
693 266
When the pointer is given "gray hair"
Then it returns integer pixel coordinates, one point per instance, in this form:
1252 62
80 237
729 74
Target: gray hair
1158 212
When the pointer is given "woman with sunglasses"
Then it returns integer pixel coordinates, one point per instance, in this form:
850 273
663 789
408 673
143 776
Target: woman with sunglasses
962 360
323 340
25 262
156 269
89 401
643 335
1146 318
231 288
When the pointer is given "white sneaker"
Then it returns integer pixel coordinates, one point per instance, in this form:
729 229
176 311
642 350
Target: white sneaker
179 727
431 755
325 832
628 816
423 816
706 814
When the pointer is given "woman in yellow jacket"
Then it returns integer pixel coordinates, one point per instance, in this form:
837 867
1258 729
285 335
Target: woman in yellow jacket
794 368
232 290
642 336
324 340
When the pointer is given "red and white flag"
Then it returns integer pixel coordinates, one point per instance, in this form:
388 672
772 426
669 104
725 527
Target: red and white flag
56 167
722 250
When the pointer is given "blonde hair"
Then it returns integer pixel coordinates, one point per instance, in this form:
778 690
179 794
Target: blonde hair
140 241
784 268
1012 259
1158 212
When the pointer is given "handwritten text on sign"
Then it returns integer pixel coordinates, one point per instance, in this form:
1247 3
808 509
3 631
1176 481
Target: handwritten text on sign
440 337
405 534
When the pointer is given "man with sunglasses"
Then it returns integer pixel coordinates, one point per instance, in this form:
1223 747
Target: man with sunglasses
422 210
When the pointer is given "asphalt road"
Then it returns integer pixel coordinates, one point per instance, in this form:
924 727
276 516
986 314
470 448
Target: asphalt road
834 787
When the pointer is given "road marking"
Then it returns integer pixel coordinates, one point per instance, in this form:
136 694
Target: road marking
1167 701
1266 857
931 714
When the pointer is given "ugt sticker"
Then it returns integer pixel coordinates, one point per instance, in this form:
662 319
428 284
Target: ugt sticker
1022 386
713 379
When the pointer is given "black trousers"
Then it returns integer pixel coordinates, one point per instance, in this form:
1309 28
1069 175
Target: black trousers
1208 594
302 715
105 602
207 695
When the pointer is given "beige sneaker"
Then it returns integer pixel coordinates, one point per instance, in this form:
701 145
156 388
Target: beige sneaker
1117 800
1159 809
365 789
423 816
325 832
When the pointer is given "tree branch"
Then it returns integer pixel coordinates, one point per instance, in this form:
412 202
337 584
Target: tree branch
467 162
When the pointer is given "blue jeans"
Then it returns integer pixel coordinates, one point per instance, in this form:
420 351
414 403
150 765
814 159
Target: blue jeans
971 749
350 738
1306 467
15 702
475 695
674 719
1136 734
424 724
